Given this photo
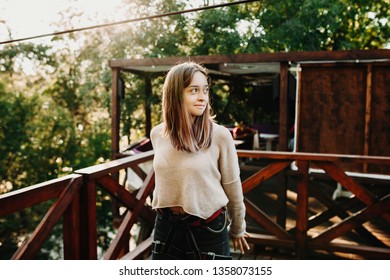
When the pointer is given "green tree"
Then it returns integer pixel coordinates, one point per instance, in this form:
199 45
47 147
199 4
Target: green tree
321 25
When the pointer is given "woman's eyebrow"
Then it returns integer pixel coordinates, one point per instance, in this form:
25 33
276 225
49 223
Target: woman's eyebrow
198 85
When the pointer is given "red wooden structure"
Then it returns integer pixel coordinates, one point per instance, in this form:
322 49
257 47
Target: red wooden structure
75 202
342 96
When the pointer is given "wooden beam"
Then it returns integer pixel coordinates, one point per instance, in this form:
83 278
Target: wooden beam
88 223
367 118
29 196
147 105
129 219
140 250
129 200
263 175
115 111
269 240
381 160
302 207
355 220
297 125
34 243
338 209
265 221
299 56
71 225
139 171
283 107
368 252
97 171
350 184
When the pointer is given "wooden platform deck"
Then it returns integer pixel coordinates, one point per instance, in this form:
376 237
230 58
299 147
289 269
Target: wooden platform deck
266 197
291 213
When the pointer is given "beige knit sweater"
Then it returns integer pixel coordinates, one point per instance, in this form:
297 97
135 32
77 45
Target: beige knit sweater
200 182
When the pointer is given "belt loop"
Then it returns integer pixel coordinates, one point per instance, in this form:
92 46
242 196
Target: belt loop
158 247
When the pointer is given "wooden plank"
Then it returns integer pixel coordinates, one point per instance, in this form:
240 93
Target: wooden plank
265 221
114 166
281 206
326 215
350 184
130 218
297 56
115 111
71 228
270 240
354 220
29 196
293 156
367 118
88 223
263 175
140 250
298 109
379 130
369 252
34 243
128 199
332 110
302 206
147 105
283 107
139 171
343 214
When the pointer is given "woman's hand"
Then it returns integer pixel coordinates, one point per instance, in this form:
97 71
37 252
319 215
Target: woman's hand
241 243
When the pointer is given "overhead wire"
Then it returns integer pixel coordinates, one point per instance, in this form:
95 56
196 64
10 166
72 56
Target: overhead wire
56 33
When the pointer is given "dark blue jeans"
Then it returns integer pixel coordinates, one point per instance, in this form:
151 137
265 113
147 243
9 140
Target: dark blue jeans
176 239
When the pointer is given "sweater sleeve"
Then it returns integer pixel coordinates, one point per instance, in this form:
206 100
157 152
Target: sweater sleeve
231 182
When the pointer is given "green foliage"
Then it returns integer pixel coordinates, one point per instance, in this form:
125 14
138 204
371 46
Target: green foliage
216 32
323 25
11 53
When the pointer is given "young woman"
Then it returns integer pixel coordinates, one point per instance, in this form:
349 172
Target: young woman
198 193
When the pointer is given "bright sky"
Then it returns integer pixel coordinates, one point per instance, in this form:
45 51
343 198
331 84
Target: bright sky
27 18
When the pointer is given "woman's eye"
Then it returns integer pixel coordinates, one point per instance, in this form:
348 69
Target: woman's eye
194 90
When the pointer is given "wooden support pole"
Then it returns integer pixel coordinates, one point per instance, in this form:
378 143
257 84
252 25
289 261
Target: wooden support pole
283 141
88 226
148 111
283 107
71 225
302 206
367 118
115 111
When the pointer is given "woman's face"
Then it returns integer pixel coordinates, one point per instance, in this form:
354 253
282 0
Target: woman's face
196 95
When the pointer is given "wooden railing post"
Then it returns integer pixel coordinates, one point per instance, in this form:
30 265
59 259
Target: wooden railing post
71 225
88 225
282 199
302 206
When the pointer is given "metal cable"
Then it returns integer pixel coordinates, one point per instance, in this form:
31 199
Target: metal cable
126 21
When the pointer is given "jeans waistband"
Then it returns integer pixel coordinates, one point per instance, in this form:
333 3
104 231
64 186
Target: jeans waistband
188 219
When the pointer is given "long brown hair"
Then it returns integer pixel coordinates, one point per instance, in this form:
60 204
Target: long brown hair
184 133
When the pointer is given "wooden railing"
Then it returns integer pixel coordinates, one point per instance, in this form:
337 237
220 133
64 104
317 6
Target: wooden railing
75 202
